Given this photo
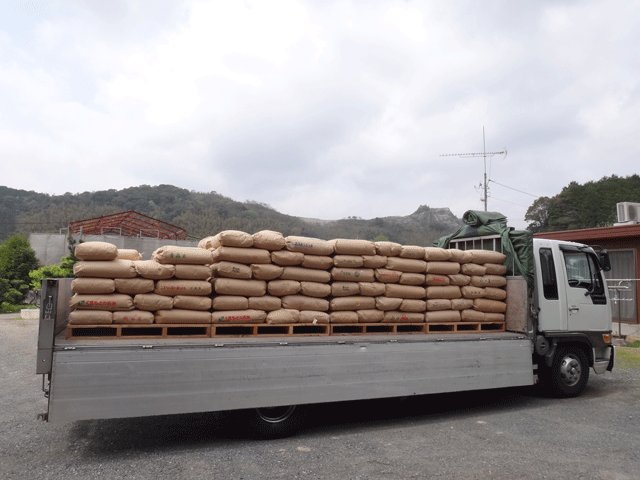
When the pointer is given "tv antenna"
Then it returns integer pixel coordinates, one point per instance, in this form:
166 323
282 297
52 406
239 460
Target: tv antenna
483 154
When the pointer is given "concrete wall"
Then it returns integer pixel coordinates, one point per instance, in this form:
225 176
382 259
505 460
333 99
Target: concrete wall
51 247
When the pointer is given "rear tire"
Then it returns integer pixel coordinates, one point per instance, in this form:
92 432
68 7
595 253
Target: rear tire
276 422
569 372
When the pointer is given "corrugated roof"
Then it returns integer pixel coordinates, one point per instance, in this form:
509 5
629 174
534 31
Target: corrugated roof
588 234
128 224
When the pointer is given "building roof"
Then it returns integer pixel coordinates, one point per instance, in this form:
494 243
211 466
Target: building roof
128 224
588 234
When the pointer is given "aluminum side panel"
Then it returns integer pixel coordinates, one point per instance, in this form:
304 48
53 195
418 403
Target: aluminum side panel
129 381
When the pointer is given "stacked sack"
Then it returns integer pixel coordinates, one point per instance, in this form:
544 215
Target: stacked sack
117 286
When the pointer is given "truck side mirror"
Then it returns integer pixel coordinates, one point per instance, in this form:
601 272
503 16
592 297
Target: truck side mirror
603 259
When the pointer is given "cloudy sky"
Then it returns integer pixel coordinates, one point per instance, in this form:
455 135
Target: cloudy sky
322 109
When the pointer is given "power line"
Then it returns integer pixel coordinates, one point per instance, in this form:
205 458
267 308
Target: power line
530 194
507 201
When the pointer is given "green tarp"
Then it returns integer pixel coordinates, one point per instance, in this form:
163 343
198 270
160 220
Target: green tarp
517 245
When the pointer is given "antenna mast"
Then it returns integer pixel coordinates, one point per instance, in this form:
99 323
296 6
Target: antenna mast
484 154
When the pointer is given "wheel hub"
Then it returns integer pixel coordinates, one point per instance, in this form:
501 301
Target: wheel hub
570 371
275 414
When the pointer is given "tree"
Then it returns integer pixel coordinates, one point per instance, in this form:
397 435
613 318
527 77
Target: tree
538 215
17 259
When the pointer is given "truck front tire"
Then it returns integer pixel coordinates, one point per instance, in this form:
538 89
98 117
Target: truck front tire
569 372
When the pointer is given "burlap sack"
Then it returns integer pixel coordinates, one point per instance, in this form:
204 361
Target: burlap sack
231 302
495 269
180 316
438 304
371 289
193 272
263 271
489 306
268 240
133 317
403 317
443 316
343 317
226 269
234 286
352 303
302 302
412 251
471 316
413 305
486 256
105 269
488 281
469 291
90 317
227 238
473 269
435 254
280 288
314 317
174 255
93 285
134 286
494 317
241 255
461 303
409 265
238 317
385 275
374 261
305 275
349 261
310 246
320 262
315 289
342 274
493 293
191 302
184 287
388 249
286 258
450 291
283 315
345 289
129 254
412 278
443 268
111 302
405 291
152 302
460 280
153 270
93 251
460 256
370 316
266 303
437 280
344 246
387 304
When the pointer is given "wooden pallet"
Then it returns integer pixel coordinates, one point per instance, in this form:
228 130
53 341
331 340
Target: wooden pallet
265 329
376 328
152 330
460 327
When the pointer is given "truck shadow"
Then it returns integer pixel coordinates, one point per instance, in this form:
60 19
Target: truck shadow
208 430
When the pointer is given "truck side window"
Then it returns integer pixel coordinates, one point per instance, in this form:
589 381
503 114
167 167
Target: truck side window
548 270
582 272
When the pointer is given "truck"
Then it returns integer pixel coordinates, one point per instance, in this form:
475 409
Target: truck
557 328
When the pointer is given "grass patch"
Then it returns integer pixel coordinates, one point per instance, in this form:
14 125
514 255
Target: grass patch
634 344
627 358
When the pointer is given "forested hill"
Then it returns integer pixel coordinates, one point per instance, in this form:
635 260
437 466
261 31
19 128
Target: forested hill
203 214
583 206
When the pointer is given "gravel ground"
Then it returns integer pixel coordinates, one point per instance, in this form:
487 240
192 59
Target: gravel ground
503 434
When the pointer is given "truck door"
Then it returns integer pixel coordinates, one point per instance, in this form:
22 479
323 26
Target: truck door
585 291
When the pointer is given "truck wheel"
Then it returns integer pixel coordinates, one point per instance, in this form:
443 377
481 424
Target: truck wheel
276 422
569 372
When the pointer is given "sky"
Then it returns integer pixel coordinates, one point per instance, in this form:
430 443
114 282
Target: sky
321 109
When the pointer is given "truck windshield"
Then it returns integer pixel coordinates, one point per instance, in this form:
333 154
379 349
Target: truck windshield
582 272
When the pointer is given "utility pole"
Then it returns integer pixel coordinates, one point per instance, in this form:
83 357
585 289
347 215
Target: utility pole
484 154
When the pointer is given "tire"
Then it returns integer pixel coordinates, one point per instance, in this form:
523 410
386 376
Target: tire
276 422
569 372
